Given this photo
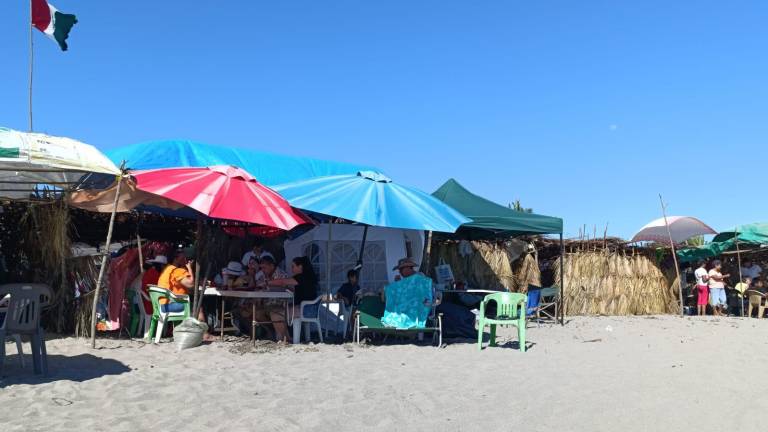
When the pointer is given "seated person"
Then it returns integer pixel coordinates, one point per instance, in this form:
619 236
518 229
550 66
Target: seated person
268 271
303 284
348 290
233 276
759 286
152 270
177 278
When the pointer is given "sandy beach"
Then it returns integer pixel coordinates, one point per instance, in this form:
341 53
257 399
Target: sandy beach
627 374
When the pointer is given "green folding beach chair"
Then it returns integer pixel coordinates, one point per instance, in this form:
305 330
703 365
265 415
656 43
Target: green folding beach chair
510 311
368 316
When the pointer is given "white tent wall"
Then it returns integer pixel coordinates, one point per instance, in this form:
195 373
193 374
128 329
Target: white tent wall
383 248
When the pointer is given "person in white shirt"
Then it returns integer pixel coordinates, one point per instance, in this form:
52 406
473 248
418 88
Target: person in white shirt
717 289
751 270
256 253
702 288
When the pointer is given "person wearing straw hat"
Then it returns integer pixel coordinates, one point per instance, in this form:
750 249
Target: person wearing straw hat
406 267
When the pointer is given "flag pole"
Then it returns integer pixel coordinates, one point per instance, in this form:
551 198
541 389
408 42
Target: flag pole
31 63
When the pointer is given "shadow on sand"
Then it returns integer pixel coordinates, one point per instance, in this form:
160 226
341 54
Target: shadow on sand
79 368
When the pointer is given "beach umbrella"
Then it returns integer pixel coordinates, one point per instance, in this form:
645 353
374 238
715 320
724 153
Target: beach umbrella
28 160
371 198
681 228
221 192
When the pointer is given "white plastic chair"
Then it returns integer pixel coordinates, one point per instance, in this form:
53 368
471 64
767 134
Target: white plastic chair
146 320
17 338
304 321
23 318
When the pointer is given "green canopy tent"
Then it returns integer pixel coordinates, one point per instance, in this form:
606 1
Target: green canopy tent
755 234
491 220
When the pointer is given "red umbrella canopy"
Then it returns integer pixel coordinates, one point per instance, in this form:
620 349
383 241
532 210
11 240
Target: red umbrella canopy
222 192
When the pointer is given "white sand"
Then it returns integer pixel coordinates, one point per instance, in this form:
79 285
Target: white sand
646 373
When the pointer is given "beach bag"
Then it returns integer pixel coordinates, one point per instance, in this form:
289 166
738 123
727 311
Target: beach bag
443 272
189 334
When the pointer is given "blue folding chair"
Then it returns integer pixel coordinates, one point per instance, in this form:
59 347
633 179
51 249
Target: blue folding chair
534 298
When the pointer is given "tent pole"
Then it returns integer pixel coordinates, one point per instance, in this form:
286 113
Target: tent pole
562 281
328 259
106 255
674 256
359 266
741 277
425 261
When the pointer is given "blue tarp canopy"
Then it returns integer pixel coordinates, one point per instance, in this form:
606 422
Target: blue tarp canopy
268 168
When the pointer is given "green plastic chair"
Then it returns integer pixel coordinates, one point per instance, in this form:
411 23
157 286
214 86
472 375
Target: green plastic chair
510 311
155 294
133 327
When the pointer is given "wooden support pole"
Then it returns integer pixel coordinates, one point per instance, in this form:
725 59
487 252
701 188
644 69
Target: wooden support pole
674 256
104 259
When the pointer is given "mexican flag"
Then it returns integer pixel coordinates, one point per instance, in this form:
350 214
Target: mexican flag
53 23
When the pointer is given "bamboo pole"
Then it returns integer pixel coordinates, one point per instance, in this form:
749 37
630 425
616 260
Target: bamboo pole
106 255
674 256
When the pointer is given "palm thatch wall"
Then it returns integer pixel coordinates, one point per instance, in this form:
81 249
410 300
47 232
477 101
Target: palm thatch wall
489 265
611 283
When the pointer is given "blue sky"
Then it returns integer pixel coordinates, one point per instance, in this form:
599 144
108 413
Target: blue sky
585 110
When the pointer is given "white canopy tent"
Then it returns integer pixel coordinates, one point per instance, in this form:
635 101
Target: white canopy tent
29 160
383 248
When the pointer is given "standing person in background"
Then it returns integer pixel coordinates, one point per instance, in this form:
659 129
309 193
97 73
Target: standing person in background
751 270
702 288
717 289
257 253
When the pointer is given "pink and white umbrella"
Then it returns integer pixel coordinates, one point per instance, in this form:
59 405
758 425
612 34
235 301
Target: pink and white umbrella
681 227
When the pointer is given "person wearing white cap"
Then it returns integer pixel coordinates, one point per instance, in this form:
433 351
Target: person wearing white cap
232 275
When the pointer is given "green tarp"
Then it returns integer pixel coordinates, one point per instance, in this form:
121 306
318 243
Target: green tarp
755 234
493 220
